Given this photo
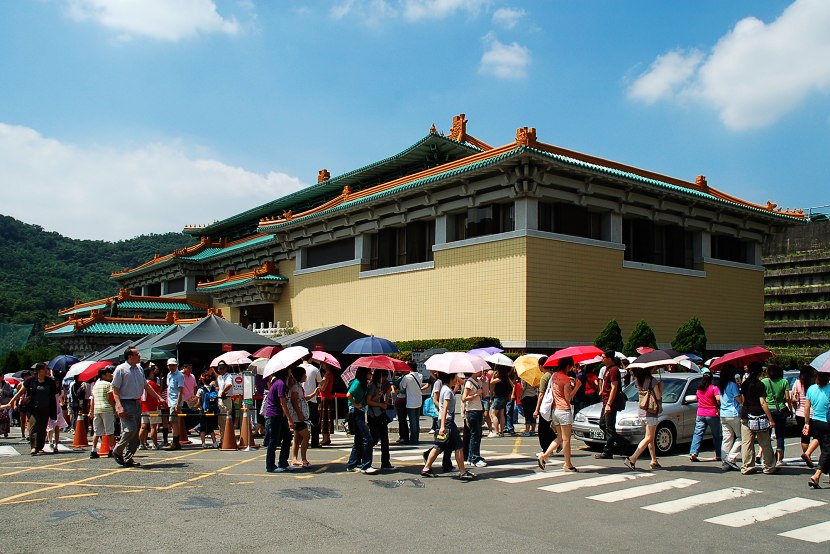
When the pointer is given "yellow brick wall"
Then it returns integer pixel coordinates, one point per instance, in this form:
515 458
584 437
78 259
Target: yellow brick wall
473 291
574 290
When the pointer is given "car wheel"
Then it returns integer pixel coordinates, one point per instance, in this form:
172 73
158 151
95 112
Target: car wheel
666 438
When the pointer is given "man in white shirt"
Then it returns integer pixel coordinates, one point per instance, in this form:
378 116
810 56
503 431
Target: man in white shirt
224 386
175 397
312 387
412 385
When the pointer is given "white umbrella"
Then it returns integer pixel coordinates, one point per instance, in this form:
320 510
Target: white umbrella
690 365
499 359
284 358
456 362
708 362
258 365
234 357
76 369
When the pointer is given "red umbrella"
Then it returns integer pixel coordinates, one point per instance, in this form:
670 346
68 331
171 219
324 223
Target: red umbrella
578 353
11 379
644 350
381 362
91 372
742 357
267 352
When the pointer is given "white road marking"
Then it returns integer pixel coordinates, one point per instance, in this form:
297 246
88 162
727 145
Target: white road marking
594 482
8 451
817 533
643 490
765 513
539 475
683 504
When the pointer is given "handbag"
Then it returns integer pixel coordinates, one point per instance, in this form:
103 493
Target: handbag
757 423
429 409
648 401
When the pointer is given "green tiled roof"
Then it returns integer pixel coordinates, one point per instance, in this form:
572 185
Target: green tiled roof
113 329
241 282
161 306
62 330
316 194
86 309
209 253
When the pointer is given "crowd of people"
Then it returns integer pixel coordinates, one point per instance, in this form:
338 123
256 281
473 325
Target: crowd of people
129 405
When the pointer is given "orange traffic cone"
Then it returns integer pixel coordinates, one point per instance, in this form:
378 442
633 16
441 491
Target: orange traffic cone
80 439
105 446
246 435
228 435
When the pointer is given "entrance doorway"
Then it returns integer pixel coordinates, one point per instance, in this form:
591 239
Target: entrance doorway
258 315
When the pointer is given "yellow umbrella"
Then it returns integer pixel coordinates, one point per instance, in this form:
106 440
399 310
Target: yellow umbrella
528 370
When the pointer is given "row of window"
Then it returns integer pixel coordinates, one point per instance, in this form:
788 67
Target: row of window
645 241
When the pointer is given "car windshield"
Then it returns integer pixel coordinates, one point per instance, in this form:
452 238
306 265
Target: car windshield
672 389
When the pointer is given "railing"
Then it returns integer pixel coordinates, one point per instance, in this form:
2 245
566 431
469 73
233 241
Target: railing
271 330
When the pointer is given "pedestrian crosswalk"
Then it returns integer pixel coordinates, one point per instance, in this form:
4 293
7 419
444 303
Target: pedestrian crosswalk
679 496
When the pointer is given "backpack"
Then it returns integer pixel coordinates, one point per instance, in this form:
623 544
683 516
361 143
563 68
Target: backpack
210 400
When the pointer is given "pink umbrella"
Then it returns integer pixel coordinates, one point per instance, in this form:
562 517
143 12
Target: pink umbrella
234 357
644 350
321 356
742 357
382 362
578 353
91 372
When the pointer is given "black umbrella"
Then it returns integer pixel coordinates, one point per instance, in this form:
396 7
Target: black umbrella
657 358
62 363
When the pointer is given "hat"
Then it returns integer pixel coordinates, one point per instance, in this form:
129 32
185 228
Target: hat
222 364
172 361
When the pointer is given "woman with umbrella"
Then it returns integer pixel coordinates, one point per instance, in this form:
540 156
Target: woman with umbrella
40 404
818 400
648 412
447 437
360 458
377 398
561 417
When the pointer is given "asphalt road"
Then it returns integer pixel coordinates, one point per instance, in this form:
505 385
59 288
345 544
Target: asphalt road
197 500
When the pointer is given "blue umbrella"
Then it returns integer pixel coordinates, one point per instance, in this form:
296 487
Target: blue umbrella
371 346
694 357
486 351
62 363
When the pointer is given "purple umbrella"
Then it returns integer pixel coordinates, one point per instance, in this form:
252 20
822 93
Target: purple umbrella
486 351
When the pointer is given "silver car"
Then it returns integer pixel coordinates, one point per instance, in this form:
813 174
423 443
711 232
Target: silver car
675 425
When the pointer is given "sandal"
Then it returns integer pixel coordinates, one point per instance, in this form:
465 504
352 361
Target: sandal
807 460
629 464
693 457
305 464
571 469
541 462
813 483
656 465
467 476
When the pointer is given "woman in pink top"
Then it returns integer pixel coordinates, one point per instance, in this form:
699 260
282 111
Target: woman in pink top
561 417
707 415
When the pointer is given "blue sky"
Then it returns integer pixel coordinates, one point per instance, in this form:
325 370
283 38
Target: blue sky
122 117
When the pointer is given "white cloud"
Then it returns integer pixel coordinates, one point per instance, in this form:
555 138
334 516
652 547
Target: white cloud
508 18
504 61
372 12
756 73
158 19
110 194
415 10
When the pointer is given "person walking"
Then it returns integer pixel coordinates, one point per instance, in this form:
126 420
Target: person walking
650 393
298 413
360 458
102 410
798 397
561 417
447 438
377 400
546 432
817 403
412 385
611 387
756 423
707 416
39 403
471 396
278 426
730 422
778 400
128 382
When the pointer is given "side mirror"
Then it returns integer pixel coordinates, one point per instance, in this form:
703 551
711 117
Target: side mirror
690 399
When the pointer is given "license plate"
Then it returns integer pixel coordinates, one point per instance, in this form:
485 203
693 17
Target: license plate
597 434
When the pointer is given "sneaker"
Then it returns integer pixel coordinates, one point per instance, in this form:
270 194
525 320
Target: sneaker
371 470
118 459
276 470
480 463
292 468
352 470
154 446
142 447
492 435
93 455
500 435
388 468
734 465
132 463
204 446
726 467
526 434
467 476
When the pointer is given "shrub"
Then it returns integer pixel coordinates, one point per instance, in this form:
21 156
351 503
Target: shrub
642 335
610 338
690 337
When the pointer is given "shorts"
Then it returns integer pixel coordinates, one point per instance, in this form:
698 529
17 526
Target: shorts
499 403
207 423
104 424
301 426
561 417
485 402
454 443
150 419
650 421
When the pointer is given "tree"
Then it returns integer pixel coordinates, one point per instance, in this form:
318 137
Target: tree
690 337
642 335
610 338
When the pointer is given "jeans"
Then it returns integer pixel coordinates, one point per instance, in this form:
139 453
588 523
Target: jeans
731 444
130 426
608 424
314 418
474 421
780 421
510 417
414 416
276 428
403 426
380 434
361 455
701 422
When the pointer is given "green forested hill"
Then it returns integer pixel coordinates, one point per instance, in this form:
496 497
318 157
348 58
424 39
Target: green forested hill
42 272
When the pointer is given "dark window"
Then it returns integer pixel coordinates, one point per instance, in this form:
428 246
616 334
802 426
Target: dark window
175 285
154 289
136 291
570 219
329 253
396 246
729 248
649 243
483 220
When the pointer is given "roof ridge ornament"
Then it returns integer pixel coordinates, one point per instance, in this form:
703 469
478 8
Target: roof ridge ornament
701 182
526 136
459 128
433 130
323 175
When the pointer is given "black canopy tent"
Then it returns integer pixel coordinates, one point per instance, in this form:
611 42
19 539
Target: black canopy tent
330 339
